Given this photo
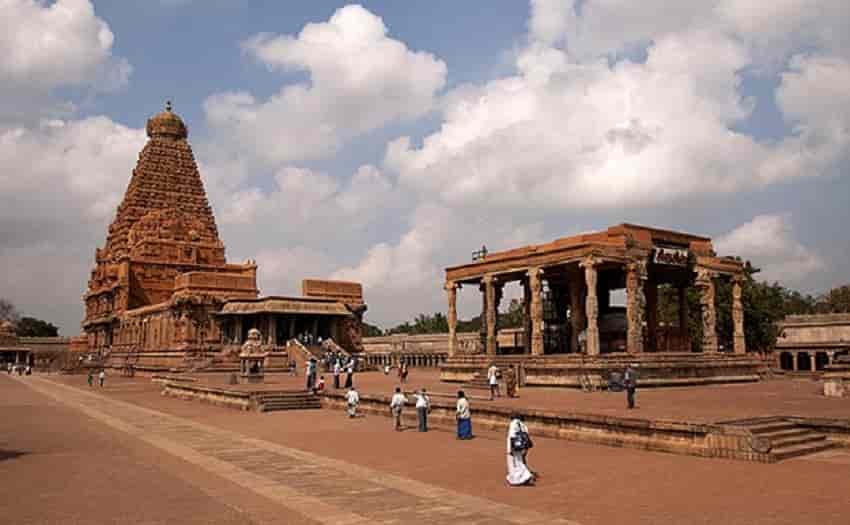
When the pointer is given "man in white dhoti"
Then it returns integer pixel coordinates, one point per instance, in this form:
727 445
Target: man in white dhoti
518 444
352 399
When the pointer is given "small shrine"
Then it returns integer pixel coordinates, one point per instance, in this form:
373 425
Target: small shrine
252 358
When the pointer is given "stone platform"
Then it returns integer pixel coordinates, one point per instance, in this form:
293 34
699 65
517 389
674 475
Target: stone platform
653 369
262 397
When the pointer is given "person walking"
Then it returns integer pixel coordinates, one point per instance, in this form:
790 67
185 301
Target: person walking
519 442
337 370
493 380
464 417
397 407
630 382
404 372
101 377
510 382
352 399
423 408
90 379
349 374
311 373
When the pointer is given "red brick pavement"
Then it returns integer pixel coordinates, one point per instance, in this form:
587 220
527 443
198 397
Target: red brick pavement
591 484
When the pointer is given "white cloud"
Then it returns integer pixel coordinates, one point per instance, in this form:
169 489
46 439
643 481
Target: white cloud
46 45
60 184
311 207
590 135
359 80
769 242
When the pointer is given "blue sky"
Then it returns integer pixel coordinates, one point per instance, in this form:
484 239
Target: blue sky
385 140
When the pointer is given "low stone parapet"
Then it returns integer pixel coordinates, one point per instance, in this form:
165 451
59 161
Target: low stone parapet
576 371
691 439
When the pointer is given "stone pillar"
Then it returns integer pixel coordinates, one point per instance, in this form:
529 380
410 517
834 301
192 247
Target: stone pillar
315 329
683 312
535 285
490 314
591 305
796 363
292 333
577 317
451 291
651 295
482 331
273 329
705 282
526 317
635 304
739 341
237 322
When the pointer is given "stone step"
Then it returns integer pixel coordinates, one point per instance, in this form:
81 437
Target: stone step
808 437
272 407
802 449
772 426
784 433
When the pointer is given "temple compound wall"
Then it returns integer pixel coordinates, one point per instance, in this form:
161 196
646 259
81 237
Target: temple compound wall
810 343
571 329
162 293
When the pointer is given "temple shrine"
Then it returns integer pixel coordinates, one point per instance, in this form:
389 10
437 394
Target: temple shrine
162 290
573 335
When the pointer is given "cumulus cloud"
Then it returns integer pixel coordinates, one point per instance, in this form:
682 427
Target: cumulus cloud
46 45
359 80
769 242
61 183
312 207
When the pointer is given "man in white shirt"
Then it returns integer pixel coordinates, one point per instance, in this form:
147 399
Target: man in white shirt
397 406
423 407
353 399
493 380
337 370
464 417
101 377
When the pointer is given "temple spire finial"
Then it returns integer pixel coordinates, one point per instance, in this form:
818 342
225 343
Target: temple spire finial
168 105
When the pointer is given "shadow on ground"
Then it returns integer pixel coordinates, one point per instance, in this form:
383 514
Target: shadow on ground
11 454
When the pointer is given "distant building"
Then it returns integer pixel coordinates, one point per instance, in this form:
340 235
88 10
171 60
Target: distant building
808 343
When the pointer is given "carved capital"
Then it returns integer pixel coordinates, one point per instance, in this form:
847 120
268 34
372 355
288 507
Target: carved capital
590 261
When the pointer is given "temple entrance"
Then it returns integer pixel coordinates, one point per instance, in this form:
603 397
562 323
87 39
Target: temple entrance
786 361
804 362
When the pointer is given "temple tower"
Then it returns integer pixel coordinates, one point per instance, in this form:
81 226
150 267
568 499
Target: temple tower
164 239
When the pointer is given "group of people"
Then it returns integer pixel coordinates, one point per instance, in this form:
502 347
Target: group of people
20 369
518 440
337 369
307 338
101 377
495 375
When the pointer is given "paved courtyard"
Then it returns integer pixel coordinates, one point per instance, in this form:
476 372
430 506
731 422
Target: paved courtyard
705 404
125 454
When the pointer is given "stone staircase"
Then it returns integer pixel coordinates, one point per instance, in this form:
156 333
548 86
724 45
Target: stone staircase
296 400
787 439
478 382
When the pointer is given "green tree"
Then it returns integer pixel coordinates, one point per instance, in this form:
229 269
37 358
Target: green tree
370 330
836 300
8 312
32 327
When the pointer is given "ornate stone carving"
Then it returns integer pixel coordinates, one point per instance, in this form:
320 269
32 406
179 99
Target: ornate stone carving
739 340
591 306
705 282
535 285
635 304
451 290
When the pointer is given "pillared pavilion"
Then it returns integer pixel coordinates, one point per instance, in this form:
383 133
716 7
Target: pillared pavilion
573 334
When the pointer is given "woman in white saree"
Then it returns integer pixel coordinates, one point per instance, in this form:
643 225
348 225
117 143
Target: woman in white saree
518 471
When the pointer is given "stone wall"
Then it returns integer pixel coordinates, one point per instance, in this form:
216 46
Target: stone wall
815 329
